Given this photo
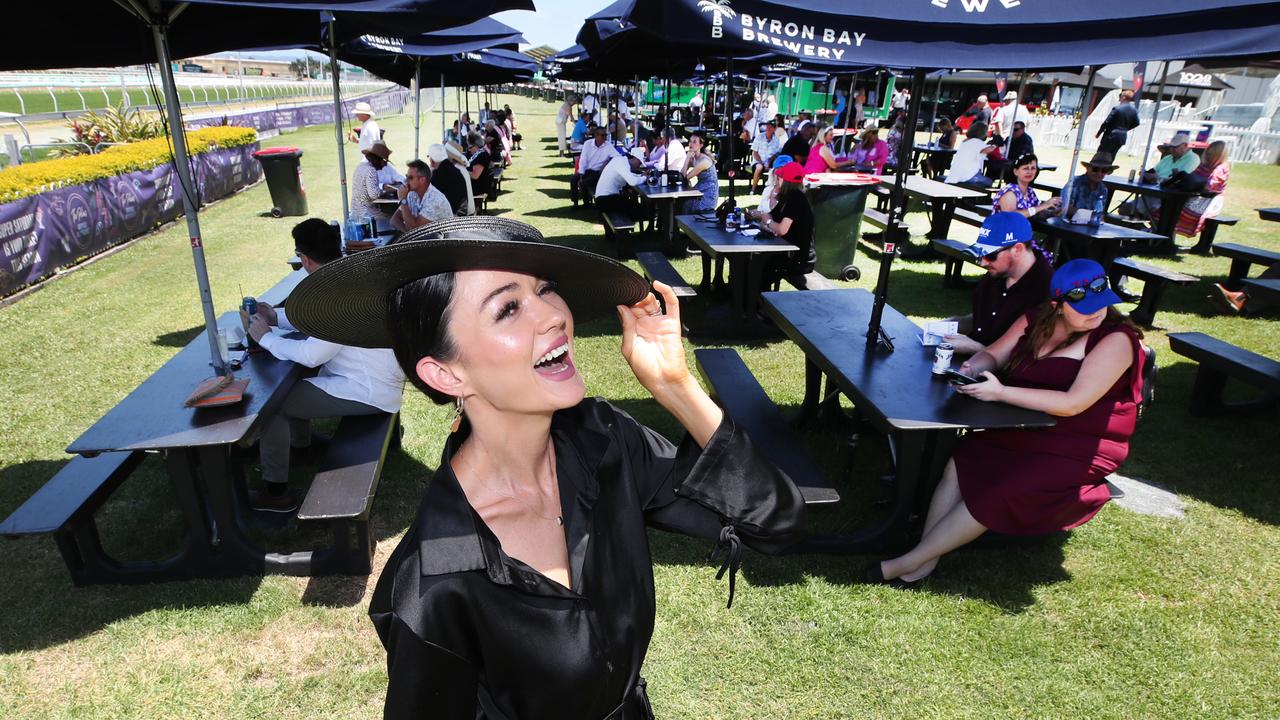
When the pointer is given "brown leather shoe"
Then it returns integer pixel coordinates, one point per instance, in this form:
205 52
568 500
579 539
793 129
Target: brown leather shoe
285 502
1229 302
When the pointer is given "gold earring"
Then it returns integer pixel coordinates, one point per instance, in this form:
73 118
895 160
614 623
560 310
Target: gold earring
457 415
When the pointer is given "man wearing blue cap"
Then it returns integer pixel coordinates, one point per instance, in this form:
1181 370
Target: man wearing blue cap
1017 280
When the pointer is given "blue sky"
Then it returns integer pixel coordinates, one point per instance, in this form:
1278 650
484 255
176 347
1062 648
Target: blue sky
556 23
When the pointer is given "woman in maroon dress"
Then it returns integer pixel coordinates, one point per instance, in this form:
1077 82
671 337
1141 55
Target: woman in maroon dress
1077 358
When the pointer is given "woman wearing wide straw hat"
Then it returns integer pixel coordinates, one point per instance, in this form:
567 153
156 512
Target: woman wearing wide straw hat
524 588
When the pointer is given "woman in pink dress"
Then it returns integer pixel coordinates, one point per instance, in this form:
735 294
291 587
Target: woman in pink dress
822 158
1077 358
871 153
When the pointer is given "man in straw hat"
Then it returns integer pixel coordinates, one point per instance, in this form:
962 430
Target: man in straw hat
1087 189
524 586
368 133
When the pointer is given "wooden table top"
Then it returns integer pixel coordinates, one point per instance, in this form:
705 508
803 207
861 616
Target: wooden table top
666 192
898 387
152 417
1105 231
924 187
713 238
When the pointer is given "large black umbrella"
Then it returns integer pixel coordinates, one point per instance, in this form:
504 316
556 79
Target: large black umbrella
975 34
457 53
967 33
98 33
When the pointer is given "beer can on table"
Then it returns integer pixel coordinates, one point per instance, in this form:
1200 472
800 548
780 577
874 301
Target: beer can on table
1132 174
942 358
250 307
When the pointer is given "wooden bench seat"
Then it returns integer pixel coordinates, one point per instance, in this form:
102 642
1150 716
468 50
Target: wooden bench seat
619 227
955 254
1155 280
343 490
1242 257
972 215
657 267
816 281
737 391
65 505
1219 360
1211 225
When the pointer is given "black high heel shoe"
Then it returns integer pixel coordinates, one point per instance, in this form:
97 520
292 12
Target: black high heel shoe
873 574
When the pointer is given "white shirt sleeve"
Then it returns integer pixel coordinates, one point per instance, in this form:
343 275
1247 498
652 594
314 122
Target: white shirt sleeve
282 321
311 352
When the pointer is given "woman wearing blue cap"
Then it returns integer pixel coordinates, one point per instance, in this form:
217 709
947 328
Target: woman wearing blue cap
1075 357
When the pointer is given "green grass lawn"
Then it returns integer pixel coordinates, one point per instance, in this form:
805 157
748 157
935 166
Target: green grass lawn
1131 616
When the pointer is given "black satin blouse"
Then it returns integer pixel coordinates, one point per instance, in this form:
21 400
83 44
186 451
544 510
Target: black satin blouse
471 632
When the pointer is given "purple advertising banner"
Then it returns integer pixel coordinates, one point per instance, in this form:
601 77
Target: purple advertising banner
389 102
57 228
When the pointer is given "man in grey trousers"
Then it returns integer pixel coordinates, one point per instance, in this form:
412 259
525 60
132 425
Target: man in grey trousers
351 380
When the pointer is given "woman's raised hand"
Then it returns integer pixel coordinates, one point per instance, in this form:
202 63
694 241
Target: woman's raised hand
652 343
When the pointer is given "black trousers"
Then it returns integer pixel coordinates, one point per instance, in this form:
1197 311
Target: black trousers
619 204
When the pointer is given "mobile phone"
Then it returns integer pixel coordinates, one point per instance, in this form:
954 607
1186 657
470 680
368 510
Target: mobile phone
959 378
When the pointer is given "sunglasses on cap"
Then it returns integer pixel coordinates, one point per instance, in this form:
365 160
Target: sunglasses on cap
1076 294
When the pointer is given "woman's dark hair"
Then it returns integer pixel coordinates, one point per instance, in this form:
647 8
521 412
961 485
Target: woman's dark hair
1024 159
977 130
418 318
1041 329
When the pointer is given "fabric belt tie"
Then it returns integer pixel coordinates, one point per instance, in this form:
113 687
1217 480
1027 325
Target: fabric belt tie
732 560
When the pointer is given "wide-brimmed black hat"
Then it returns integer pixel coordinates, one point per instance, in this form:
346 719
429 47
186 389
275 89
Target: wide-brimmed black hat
345 301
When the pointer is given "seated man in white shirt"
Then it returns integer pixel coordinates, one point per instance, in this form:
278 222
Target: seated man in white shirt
351 381
619 174
763 151
421 202
668 152
595 155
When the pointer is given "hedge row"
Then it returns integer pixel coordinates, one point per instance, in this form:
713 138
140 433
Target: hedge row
21 181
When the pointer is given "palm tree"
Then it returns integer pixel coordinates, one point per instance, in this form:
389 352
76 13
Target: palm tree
719 7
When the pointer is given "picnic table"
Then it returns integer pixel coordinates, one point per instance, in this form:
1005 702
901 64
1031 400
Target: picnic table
1171 202
747 257
894 391
1272 214
942 200
663 198
1101 243
201 449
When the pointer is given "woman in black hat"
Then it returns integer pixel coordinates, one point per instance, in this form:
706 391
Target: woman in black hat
524 588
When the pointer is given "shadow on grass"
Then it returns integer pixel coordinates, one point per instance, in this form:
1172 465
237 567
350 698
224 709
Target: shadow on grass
43 609
178 338
140 522
1000 571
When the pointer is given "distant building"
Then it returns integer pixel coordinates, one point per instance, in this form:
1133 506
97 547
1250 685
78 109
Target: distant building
252 67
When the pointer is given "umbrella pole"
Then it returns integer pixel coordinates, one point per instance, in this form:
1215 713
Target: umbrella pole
1008 135
1155 116
848 111
933 117
337 122
417 104
635 112
444 123
897 210
182 165
1075 154
731 158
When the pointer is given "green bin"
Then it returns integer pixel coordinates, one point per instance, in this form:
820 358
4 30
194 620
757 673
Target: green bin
837 221
282 167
